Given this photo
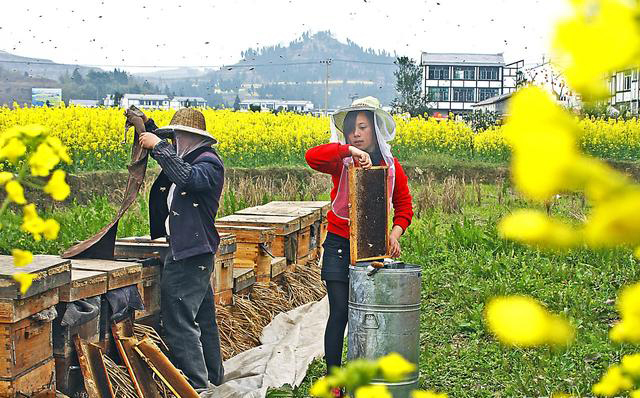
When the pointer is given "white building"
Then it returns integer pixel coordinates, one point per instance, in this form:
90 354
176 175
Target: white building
625 90
145 101
274 105
552 80
186 102
454 82
84 103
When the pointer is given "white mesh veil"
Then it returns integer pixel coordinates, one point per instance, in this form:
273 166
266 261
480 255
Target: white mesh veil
385 129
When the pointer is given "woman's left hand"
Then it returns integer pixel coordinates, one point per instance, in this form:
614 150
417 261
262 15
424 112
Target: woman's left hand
394 245
148 140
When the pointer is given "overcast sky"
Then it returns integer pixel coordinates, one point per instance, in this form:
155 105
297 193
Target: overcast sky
198 32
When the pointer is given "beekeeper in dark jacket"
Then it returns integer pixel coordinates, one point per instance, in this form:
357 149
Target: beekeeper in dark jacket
183 204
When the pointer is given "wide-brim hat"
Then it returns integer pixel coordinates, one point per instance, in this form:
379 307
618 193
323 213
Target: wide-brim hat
189 120
364 104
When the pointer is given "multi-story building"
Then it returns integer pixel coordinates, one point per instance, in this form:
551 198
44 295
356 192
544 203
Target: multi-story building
274 105
625 90
186 102
145 101
454 82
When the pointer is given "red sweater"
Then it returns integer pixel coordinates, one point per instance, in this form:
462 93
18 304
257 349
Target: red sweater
327 159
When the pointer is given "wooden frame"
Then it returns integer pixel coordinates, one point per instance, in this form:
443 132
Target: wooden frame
365 204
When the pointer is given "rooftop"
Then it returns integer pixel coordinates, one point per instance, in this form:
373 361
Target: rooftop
493 100
146 96
462 58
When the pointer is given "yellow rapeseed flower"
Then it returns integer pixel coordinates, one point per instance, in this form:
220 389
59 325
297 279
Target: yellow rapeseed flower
21 257
25 280
616 221
634 394
613 382
521 321
13 150
394 367
628 304
15 192
33 130
321 388
57 187
31 222
43 160
373 391
51 229
5 177
631 364
536 228
588 44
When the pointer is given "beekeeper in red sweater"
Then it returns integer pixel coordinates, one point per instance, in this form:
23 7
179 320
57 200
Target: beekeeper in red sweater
359 133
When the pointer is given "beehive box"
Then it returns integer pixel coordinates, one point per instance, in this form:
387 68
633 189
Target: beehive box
83 284
149 288
141 247
14 310
286 231
222 276
23 345
119 273
36 381
318 231
254 247
243 280
50 272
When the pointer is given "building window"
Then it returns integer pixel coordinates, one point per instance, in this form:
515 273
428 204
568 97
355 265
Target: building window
626 82
463 94
488 73
438 94
438 72
485 93
464 73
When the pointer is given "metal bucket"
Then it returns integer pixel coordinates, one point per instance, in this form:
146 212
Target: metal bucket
384 317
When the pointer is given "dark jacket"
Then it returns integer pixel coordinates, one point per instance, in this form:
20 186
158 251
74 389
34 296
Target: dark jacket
199 178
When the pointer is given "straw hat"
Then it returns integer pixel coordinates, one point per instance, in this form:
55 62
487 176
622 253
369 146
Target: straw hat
364 104
189 120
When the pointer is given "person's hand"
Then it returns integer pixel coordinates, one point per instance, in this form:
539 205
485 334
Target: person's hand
148 140
394 244
360 156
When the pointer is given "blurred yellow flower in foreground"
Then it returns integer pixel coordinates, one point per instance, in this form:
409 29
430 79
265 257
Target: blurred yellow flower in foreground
588 44
373 391
613 382
15 192
628 329
523 322
13 150
5 177
25 280
57 187
394 367
43 160
536 228
21 257
427 394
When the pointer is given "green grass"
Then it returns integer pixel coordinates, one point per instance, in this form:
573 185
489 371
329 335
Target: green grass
464 263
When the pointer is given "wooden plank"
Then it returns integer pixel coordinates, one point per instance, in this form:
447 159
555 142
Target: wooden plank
227 244
243 278
165 370
119 273
131 249
224 297
36 380
139 373
50 272
304 242
14 310
248 234
283 224
84 284
94 372
149 289
286 246
368 213
323 205
23 345
307 216
278 266
222 275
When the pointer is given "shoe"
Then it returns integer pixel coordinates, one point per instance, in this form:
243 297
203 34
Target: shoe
337 392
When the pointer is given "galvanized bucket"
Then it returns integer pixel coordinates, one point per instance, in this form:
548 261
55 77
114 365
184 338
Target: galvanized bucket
384 317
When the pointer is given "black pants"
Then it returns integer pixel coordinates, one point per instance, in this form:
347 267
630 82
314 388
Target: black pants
335 273
189 319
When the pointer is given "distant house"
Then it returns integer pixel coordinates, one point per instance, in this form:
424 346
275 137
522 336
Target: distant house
274 105
497 104
455 82
145 101
84 103
625 90
186 102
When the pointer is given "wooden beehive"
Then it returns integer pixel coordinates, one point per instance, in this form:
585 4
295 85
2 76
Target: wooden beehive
36 380
141 247
243 279
119 273
149 288
318 231
368 213
286 229
50 272
83 284
222 276
24 345
254 247
14 310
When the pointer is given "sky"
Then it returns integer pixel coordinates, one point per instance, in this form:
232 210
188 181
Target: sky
137 33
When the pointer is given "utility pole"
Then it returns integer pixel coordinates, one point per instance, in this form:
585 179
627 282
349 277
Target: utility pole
327 62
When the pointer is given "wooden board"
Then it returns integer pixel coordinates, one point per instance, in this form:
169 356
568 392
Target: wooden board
149 289
140 248
50 271
23 345
84 284
283 224
368 213
119 273
323 205
38 379
243 278
222 275
278 266
307 216
227 244
286 246
14 310
94 372
224 297
304 242
248 234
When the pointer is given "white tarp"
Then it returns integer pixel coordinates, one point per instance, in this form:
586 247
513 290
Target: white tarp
289 344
